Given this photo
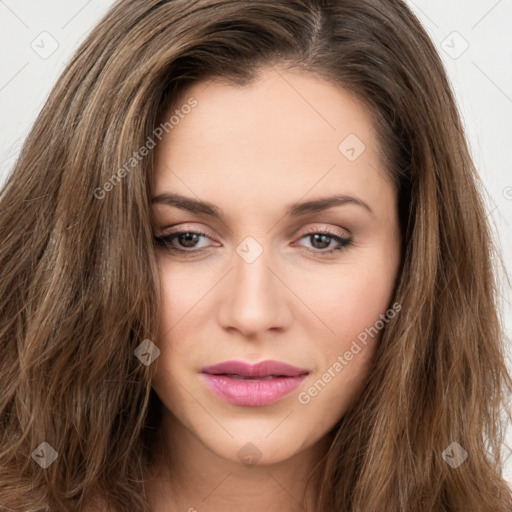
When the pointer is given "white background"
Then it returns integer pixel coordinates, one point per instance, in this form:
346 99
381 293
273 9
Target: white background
474 39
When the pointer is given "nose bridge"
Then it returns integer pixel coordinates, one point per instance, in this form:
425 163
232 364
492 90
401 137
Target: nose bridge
254 302
252 277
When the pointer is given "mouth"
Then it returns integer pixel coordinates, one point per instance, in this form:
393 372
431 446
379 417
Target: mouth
242 377
264 370
257 385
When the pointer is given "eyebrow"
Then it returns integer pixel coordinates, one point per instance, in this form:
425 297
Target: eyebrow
295 210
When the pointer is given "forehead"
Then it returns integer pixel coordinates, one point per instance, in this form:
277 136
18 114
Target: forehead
286 133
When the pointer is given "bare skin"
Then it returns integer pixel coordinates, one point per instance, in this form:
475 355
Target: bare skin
253 152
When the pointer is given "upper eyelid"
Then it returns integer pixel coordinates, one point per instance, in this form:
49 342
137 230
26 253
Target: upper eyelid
317 227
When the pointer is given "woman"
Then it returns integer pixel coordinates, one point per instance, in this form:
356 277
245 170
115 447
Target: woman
246 265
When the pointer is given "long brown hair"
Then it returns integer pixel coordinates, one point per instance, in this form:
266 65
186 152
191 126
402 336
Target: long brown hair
79 289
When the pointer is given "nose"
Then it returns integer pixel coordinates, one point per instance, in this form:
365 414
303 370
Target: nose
254 298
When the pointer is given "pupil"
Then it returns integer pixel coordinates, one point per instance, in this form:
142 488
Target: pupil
190 239
326 238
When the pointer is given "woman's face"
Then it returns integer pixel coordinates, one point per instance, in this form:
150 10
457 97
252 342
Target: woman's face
261 285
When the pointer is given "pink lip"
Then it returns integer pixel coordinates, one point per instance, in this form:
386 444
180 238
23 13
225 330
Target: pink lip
253 385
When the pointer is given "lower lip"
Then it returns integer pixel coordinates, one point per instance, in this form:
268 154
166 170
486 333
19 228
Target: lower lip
252 392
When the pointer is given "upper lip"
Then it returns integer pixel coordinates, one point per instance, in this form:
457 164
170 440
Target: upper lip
262 369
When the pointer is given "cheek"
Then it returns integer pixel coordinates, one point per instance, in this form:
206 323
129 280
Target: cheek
185 311
182 289
351 301
349 298
344 355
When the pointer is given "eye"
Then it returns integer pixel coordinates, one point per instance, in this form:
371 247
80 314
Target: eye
324 238
185 242
187 239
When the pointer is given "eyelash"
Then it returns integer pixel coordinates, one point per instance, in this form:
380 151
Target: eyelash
165 241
